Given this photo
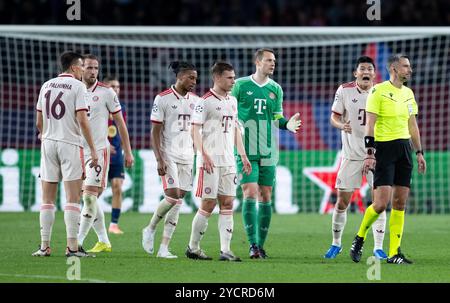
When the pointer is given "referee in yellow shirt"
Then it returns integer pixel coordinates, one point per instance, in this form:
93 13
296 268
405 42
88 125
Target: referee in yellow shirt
390 130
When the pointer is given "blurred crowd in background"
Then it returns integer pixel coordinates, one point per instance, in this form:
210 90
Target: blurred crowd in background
228 12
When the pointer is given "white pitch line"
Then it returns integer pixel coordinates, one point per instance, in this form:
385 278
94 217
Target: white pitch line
53 277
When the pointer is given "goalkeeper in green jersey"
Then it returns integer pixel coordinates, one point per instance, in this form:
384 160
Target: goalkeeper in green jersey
260 101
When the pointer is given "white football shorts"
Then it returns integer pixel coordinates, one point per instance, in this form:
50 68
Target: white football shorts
223 181
178 175
61 161
350 175
97 175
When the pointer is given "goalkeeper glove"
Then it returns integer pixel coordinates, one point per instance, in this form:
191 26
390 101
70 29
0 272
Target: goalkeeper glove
294 123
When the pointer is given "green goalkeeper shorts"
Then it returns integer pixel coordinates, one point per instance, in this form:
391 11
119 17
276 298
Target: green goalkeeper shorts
261 174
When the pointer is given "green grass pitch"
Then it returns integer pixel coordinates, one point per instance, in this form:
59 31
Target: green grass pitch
296 244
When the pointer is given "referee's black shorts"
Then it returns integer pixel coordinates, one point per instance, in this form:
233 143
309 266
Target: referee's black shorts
394 163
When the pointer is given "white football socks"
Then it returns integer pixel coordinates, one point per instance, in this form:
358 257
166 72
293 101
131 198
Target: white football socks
72 219
46 220
199 226
99 226
88 214
163 208
338 225
378 229
171 221
225 224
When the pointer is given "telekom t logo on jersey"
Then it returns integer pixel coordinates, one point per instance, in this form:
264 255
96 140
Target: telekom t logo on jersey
225 123
259 105
184 121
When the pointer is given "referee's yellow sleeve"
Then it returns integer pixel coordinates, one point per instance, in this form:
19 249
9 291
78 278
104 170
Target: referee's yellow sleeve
415 107
373 102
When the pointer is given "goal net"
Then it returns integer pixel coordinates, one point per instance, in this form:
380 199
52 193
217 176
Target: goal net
311 64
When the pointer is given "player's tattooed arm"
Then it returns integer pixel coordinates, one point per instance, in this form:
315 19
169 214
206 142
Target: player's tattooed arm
156 145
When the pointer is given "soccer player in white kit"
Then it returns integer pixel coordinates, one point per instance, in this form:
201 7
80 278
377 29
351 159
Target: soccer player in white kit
101 101
215 115
349 115
61 118
174 152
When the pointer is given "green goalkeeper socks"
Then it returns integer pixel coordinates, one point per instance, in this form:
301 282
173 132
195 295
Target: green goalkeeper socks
264 217
249 218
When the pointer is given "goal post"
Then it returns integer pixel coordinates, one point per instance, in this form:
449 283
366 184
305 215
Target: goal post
311 64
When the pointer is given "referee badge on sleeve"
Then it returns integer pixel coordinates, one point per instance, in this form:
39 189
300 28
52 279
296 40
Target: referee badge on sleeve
410 109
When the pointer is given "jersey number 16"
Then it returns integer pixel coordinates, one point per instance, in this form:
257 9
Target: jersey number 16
52 109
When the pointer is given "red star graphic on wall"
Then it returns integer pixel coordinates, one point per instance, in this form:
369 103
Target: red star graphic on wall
325 177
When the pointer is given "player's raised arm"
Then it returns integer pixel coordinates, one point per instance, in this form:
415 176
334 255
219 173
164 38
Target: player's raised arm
293 124
125 138
336 121
337 118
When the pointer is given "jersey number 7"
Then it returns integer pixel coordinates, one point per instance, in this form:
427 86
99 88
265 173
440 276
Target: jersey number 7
362 116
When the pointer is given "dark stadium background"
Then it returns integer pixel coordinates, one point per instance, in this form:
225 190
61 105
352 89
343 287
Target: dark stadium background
228 13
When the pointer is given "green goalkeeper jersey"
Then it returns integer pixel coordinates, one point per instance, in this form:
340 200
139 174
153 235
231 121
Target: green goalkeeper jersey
258 106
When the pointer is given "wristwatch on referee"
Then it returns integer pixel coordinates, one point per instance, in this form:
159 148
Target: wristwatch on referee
420 151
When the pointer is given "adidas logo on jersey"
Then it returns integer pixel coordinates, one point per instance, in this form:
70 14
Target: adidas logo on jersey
249 93
174 106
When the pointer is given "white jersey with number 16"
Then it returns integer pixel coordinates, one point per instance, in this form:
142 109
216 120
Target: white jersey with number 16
59 100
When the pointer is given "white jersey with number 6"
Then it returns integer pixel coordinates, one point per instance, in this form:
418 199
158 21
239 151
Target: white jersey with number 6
59 100
350 102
